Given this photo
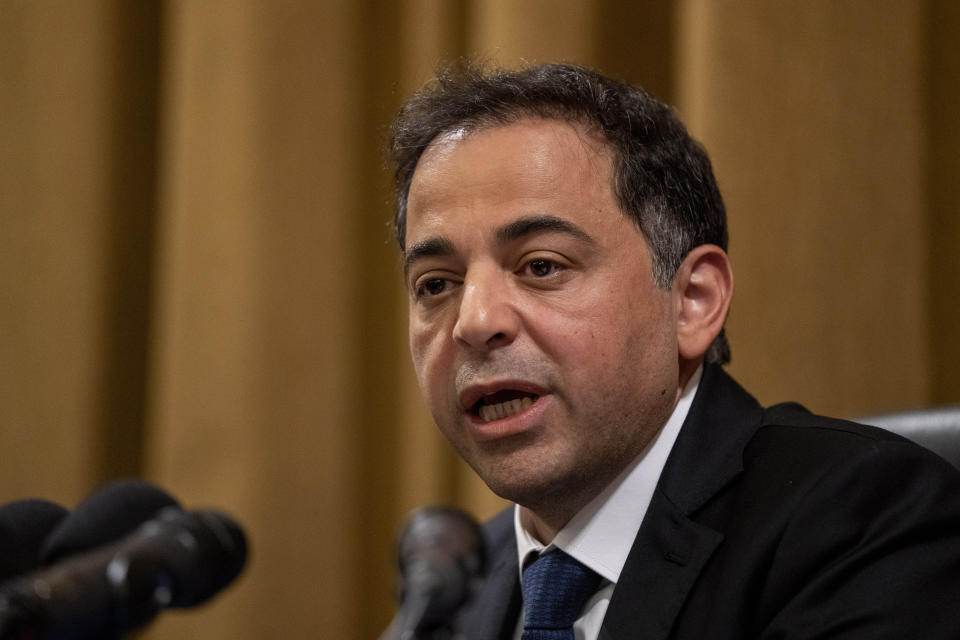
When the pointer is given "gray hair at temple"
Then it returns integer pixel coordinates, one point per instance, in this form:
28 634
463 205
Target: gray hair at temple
662 178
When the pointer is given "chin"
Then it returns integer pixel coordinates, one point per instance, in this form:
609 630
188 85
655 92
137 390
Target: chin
507 476
524 470
530 485
520 490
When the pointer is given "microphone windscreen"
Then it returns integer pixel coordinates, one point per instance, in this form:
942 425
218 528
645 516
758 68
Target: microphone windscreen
441 553
106 516
218 553
24 526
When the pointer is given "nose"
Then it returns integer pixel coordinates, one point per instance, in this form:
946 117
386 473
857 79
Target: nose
487 318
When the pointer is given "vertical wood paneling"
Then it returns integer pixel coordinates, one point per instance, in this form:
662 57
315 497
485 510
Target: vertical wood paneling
812 114
533 31
255 347
74 204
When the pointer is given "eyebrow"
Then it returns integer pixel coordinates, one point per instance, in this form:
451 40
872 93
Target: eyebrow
510 232
430 247
528 225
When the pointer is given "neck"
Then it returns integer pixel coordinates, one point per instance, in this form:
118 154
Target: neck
544 530
686 369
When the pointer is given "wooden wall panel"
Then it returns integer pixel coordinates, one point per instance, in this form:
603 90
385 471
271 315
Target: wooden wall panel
255 371
77 114
813 115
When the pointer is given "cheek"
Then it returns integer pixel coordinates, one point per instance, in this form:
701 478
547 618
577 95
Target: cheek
429 357
419 350
612 325
604 317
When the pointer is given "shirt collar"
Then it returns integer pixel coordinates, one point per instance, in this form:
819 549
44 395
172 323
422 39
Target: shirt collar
601 534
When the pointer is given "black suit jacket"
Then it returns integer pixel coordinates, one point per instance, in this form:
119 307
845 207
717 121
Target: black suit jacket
773 523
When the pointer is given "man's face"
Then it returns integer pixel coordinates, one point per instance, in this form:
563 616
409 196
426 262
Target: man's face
545 351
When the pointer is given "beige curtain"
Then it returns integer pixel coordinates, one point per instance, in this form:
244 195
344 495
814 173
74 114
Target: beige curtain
199 287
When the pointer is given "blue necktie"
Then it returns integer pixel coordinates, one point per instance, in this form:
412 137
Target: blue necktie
555 588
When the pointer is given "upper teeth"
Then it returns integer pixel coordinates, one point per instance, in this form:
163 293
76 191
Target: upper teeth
489 412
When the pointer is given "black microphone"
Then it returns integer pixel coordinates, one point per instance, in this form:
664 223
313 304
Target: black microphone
106 515
24 525
178 559
441 556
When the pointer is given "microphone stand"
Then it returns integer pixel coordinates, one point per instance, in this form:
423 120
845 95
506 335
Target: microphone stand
394 632
418 617
441 555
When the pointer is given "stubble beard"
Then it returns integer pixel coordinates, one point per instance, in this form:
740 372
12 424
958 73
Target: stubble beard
552 485
555 485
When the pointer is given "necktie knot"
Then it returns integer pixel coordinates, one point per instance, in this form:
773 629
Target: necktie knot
555 587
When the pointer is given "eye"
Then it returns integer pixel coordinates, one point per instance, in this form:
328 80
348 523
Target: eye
431 287
541 267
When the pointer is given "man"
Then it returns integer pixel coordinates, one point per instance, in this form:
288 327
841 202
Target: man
564 248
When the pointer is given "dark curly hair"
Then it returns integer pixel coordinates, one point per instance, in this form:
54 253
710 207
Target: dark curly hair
662 177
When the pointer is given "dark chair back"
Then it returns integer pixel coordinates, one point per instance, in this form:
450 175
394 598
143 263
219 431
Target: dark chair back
936 429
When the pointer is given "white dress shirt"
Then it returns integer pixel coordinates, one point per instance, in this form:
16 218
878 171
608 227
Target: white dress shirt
600 535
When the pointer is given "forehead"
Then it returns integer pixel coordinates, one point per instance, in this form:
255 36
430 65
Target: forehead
527 164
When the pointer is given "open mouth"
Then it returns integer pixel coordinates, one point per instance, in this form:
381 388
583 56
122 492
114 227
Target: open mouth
502 404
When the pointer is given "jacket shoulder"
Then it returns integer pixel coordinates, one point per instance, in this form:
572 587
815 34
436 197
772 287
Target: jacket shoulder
788 431
794 414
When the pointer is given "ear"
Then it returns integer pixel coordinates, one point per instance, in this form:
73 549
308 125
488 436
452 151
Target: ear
702 287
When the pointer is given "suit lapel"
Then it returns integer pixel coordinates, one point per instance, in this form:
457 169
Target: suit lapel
663 565
497 606
494 610
671 548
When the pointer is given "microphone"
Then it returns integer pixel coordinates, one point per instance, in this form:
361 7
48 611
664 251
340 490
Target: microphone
108 514
24 525
178 559
441 556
